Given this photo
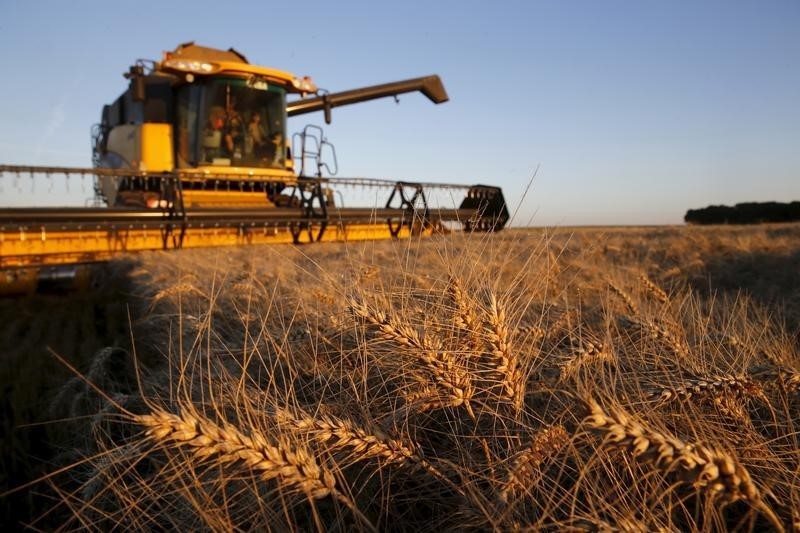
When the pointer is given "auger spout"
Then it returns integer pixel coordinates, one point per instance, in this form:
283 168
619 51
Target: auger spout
430 86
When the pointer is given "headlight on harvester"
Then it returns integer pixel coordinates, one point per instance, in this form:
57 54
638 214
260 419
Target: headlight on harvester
304 84
186 65
153 202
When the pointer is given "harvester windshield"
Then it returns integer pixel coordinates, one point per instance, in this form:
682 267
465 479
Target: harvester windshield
232 122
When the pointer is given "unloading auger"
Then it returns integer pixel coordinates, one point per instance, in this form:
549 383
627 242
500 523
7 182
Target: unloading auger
195 153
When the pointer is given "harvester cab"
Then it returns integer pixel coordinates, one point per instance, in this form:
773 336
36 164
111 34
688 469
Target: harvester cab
197 149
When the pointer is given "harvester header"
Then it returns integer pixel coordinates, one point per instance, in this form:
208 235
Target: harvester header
195 152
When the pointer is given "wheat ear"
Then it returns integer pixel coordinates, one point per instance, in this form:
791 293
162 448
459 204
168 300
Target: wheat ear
532 333
502 359
328 298
343 433
177 289
447 373
790 380
712 471
624 296
653 290
589 354
292 467
659 333
727 392
368 273
426 398
465 318
561 323
527 466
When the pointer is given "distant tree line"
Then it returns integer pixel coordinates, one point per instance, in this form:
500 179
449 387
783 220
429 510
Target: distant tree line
746 213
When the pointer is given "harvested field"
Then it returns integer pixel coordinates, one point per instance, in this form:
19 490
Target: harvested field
597 379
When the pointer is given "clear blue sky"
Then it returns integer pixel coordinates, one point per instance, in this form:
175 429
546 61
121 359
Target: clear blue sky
634 111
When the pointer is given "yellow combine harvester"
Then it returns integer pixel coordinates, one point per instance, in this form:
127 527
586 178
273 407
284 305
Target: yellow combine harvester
196 153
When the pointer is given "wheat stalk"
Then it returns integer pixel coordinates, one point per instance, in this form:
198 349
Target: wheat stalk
724 338
502 359
298 334
292 467
527 466
710 470
623 524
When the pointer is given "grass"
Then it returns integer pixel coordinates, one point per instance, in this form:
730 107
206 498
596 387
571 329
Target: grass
586 379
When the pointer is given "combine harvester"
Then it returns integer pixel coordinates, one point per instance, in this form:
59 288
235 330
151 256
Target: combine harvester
195 153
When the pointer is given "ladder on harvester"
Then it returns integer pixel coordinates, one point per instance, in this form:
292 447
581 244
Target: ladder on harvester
309 146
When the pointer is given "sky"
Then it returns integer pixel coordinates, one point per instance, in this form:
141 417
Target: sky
626 112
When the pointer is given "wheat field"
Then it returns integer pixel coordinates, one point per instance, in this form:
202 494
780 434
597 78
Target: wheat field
587 379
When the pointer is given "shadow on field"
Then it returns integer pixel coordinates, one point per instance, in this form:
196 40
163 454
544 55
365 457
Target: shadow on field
78 323
769 279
